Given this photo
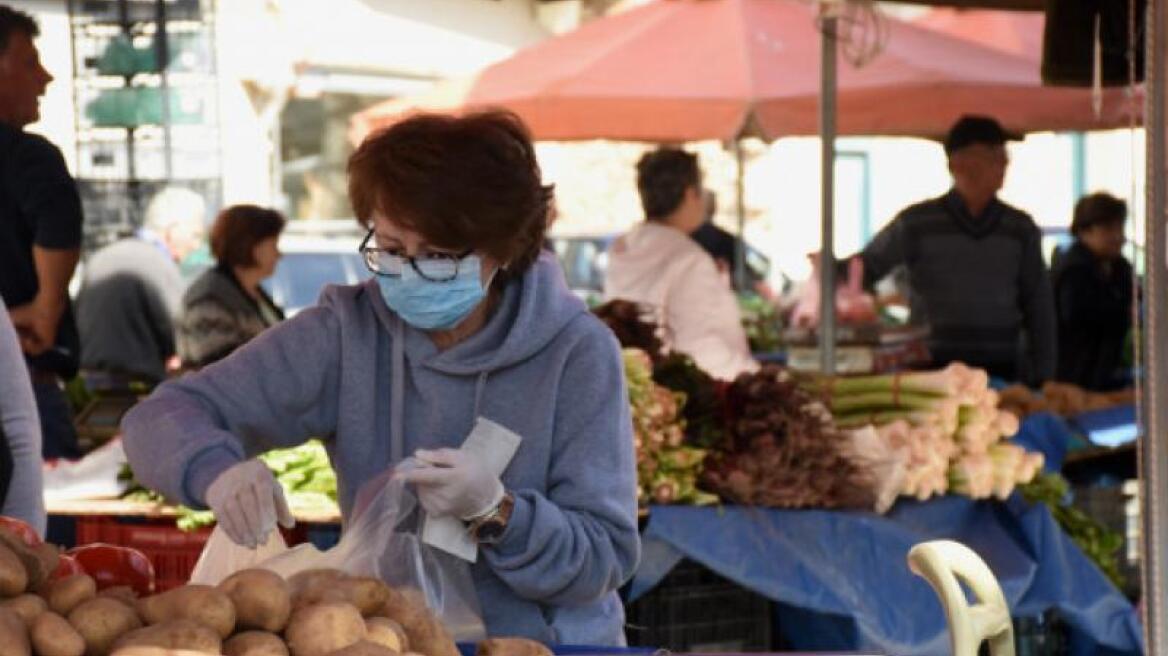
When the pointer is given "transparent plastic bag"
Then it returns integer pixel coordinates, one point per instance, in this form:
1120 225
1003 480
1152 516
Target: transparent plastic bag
383 539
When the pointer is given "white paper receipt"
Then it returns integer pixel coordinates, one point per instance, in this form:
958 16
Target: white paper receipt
495 446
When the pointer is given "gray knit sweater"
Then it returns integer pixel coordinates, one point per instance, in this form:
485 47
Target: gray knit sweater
218 317
980 283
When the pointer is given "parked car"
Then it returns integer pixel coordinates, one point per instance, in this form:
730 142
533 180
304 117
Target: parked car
315 254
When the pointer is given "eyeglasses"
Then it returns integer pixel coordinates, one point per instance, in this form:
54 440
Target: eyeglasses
435 267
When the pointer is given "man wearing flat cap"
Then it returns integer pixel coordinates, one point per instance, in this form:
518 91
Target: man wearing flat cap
975 269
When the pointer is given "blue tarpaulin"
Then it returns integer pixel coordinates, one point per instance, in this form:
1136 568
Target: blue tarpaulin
1110 427
1048 434
842 582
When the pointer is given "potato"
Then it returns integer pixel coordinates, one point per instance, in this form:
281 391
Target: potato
53 635
426 634
309 579
34 566
321 594
366 593
155 651
175 634
122 593
364 648
13 575
66 594
13 635
255 643
324 628
102 621
386 633
199 603
511 647
262 599
50 557
27 606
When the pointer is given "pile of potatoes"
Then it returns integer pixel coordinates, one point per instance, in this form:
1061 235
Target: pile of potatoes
254 612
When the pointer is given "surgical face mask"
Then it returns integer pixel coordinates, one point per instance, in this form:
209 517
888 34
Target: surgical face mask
430 305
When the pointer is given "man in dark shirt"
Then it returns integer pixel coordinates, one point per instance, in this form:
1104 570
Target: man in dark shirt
40 232
975 269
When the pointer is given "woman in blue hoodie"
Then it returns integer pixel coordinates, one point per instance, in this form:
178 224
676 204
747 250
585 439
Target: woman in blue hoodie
463 318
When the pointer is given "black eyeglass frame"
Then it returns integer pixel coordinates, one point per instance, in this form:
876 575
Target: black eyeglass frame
366 252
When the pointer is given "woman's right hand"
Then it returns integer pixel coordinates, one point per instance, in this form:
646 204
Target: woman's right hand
248 502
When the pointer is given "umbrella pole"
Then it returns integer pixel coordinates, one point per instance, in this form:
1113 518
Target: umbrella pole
827 117
1153 462
740 206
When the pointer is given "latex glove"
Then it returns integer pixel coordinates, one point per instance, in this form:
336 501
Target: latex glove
455 484
248 503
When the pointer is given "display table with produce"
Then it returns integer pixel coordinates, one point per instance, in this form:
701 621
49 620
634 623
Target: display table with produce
833 480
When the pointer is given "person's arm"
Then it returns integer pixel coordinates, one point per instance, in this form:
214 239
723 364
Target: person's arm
37 320
276 391
1037 300
579 539
24 498
884 253
704 320
47 196
162 299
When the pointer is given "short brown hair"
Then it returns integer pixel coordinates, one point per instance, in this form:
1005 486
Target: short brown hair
663 175
461 182
239 228
14 20
1097 209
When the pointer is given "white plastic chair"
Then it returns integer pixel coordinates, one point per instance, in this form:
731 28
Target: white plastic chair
942 563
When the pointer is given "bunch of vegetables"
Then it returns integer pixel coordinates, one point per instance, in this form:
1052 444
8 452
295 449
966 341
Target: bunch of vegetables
45 611
634 326
783 452
667 469
762 323
944 424
1097 542
703 407
310 484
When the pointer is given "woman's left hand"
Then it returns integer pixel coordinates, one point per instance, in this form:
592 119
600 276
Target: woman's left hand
455 484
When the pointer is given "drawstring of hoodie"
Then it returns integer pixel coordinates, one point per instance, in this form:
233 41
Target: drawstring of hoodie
397 395
480 386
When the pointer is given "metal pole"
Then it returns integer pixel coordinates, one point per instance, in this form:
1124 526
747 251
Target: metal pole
827 111
740 206
1154 398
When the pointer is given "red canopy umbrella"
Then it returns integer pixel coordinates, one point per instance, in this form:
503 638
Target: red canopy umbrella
1016 32
683 70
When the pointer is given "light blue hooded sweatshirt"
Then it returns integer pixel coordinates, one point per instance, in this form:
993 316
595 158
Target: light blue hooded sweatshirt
542 366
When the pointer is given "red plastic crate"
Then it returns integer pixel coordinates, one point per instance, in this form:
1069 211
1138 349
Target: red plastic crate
172 552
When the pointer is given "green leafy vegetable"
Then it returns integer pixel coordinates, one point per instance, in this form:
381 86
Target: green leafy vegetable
1097 542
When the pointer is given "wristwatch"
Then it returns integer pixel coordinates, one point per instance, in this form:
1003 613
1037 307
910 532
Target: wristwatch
489 528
